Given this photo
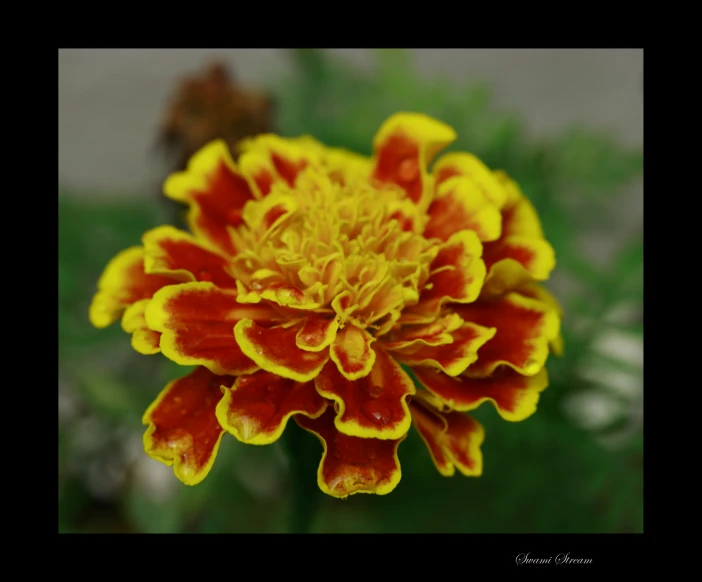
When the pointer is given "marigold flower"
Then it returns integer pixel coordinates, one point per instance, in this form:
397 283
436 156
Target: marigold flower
358 296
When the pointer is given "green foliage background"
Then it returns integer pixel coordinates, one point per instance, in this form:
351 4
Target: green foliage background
555 472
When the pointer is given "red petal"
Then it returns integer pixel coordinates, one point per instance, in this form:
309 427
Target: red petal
352 353
404 145
524 329
457 271
350 464
275 350
461 205
374 406
452 358
183 428
123 283
257 408
179 255
316 334
453 439
216 193
197 322
515 396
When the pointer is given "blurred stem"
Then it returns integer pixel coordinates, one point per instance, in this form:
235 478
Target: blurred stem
304 459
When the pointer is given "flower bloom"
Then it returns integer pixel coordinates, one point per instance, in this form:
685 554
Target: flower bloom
358 296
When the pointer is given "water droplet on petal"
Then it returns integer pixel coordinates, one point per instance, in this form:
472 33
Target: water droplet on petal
377 412
245 380
374 391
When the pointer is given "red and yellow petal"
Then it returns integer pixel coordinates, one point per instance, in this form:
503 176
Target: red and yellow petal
350 464
524 329
144 340
452 358
403 147
457 273
216 193
514 396
344 167
435 333
177 254
374 406
270 213
519 217
467 165
542 294
197 322
453 439
275 350
122 283
407 214
521 255
516 261
183 429
461 205
259 172
257 408
288 157
352 352
317 333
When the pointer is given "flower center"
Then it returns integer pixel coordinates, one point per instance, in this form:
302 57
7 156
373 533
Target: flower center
334 249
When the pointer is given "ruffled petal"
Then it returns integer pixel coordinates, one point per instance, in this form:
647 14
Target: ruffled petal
524 329
287 158
183 430
453 439
350 464
144 340
522 254
435 333
344 166
197 321
457 273
514 396
460 204
257 168
123 283
515 261
317 333
404 146
216 193
352 352
257 408
374 406
452 358
179 255
275 350
542 294
468 166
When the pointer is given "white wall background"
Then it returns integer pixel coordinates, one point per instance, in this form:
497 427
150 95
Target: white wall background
111 100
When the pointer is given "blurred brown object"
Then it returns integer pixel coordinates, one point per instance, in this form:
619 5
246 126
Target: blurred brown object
211 105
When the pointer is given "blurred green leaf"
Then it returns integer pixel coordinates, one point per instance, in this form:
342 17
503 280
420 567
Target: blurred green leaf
150 516
593 162
110 397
